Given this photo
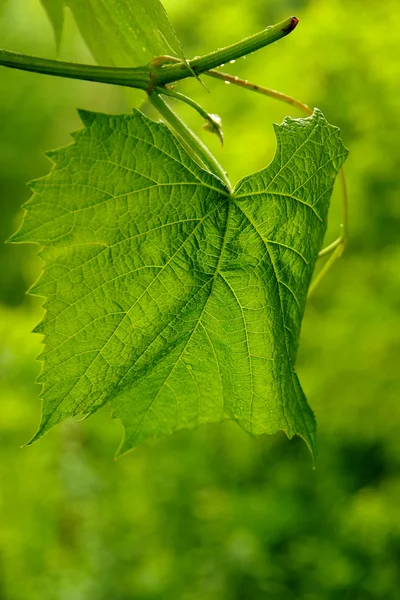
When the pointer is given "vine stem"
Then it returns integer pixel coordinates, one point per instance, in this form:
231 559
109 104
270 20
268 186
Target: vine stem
175 72
135 77
150 76
190 138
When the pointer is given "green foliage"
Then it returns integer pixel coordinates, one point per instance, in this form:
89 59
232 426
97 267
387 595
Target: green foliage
169 298
214 514
119 32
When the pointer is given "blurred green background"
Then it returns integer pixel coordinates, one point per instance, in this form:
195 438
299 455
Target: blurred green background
215 514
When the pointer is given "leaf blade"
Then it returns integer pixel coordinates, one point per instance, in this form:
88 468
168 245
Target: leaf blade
171 300
119 32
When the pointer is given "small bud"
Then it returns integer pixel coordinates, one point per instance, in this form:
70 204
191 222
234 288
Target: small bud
214 125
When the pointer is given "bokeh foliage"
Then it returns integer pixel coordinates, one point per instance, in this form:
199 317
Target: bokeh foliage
215 514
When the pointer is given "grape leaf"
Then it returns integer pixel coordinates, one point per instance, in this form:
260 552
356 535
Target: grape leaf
167 298
123 33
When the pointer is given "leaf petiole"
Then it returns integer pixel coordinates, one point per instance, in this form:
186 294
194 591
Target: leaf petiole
190 138
211 119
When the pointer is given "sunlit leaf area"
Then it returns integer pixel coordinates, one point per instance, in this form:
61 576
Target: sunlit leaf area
210 512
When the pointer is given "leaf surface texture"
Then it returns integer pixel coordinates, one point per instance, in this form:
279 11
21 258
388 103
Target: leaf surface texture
167 298
124 33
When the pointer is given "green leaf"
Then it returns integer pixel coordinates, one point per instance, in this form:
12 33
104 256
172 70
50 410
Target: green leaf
167 298
55 12
123 33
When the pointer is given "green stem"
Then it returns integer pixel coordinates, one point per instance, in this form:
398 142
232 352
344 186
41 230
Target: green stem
190 138
134 77
171 73
148 77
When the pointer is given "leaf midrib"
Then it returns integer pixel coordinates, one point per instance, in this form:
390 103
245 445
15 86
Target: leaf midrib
126 315
199 322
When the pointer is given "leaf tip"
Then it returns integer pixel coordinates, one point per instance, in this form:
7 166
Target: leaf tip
55 13
51 155
312 446
86 116
34 439
19 237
